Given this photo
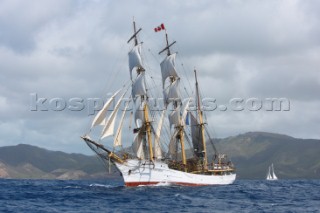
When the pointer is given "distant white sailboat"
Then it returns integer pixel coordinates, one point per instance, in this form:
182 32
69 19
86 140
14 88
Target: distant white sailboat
271 175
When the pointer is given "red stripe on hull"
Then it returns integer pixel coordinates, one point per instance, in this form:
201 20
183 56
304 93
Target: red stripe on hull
135 184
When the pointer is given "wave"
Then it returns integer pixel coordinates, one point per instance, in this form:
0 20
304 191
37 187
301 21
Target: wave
101 185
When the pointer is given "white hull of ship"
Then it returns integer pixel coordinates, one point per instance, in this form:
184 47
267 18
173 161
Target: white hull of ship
143 172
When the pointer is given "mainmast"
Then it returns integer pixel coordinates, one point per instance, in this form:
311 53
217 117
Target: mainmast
201 123
168 70
168 46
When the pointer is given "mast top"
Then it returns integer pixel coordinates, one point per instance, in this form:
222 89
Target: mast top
195 74
168 45
135 33
197 91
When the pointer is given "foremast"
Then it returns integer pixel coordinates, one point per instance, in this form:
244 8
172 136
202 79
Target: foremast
148 131
140 98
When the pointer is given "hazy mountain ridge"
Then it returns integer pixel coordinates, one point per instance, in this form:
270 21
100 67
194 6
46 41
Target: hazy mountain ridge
26 161
251 153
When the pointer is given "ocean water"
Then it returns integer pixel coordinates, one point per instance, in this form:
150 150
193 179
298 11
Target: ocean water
111 196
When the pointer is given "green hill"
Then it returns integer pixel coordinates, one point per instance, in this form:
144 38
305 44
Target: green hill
42 163
251 153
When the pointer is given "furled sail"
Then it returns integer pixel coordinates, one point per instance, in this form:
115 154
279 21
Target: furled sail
168 67
196 136
135 58
109 126
139 85
171 93
99 118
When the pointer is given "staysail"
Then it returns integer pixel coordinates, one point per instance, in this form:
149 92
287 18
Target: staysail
157 147
109 126
99 118
138 145
118 136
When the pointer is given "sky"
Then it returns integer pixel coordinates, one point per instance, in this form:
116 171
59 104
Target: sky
250 50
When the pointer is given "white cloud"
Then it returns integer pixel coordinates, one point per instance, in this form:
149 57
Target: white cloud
243 49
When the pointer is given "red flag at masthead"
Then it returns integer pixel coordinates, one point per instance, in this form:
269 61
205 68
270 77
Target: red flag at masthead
159 28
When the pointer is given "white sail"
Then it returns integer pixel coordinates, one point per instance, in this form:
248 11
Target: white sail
168 67
268 174
185 112
140 152
173 144
157 147
109 126
171 93
273 174
139 86
135 58
174 117
139 115
117 140
100 117
178 117
138 145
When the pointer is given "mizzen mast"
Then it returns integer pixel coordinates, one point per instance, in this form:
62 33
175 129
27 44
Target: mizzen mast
201 124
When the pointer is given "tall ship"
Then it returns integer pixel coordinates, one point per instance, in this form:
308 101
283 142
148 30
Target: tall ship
167 144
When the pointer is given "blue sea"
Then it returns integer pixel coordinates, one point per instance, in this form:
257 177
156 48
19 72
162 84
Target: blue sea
111 196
